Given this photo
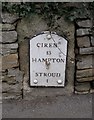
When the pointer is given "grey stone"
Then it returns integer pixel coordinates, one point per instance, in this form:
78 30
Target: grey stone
17 73
12 96
81 93
30 27
84 23
9 18
89 50
85 73
85 62
10 61
82 87
7 27
92 91
11 80
88 79
6 88
82 32
12 84
9 48
9 37
92 41
83 41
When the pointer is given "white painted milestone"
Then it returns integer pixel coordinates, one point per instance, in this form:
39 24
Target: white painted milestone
48 53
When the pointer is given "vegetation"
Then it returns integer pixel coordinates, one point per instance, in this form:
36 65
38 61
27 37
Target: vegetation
50 11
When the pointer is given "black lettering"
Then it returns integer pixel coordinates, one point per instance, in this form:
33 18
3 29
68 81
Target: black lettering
40 74
53 59
58 60
50 45
48 52
38 44
34 59
39 60
62 60
45 74
49 59
58 75
45 45
36 74
53 74
43 60
49 74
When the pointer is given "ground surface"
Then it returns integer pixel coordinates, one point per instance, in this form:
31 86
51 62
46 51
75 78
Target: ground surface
74 106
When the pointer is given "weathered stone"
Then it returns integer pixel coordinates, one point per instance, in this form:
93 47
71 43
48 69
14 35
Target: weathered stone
88 79
17 73
81 93
83 41
82 87
89 50
81 32
4 72
85 62
9 37
7 27
11 96
10 61
9 48
92 41
85 73
9 18
9 80
92 91
84 23
6 88
0 63
30 27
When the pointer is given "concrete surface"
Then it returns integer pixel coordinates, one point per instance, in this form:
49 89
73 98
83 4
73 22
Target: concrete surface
74 106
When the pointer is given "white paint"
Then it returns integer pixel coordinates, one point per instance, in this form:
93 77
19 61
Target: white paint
52 71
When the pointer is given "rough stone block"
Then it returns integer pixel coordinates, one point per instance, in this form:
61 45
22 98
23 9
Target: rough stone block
7 27
92 41
12 96
83 41
82 87
9 48
85 62
84 23
6 88
9 80
92 91
10 61
9 37
88 79
89 50
9 18
85 73
81 93
82 32
17 73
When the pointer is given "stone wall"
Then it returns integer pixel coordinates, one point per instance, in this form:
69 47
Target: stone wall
84 57
16 34
12 77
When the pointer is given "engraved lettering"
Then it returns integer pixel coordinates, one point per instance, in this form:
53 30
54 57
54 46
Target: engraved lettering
52 60
47 45
47 74
48 52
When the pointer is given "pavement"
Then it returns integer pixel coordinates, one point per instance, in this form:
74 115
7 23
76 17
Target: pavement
72 106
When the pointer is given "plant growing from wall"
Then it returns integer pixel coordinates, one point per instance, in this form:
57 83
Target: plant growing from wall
50 11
